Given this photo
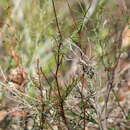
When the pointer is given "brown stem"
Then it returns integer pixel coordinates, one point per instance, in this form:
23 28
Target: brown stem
59 62
42 120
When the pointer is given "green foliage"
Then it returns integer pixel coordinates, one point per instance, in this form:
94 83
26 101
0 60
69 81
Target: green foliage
49 65
103 33
75 36
128 115
66 95
32 90
112 129
3 1
1 95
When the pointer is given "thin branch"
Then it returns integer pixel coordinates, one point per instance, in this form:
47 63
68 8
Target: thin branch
90 12
58 27
59 62
119 103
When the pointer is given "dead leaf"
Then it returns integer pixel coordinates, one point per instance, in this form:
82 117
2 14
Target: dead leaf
13 53
18 113
18 76
126 38
3 114
86 128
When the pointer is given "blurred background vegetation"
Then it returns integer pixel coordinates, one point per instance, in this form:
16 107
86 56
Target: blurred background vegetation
91 44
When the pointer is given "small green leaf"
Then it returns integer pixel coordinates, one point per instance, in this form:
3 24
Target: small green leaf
32 91
91 119
1 95
75 36
112 129
103 33
99 50
49 65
